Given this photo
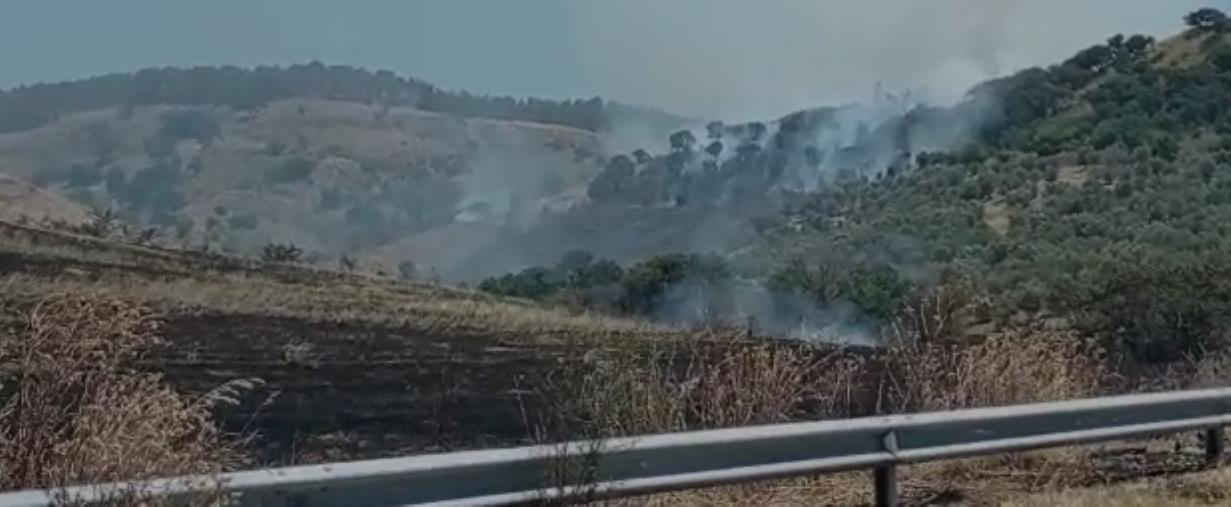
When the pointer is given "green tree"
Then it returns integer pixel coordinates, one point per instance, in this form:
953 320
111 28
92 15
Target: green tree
1206 19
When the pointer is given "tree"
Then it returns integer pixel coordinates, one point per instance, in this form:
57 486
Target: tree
642 156
682 140
407 270
1094 58
714 130
756 131
1138 44
278 252
1206 19
645 282
615 178
714 149
535 283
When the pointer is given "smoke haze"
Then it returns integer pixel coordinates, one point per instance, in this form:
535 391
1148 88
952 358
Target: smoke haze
737 60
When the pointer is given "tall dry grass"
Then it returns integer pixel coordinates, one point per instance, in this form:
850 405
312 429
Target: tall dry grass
72 410
717 380
711 382
726 381
1018 366
1023 365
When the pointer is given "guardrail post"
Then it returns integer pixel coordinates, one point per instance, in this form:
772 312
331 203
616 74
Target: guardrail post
1215 444
885 479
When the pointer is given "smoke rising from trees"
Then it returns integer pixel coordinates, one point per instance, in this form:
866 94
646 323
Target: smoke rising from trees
737 61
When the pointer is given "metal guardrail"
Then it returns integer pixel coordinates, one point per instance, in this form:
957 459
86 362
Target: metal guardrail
656 463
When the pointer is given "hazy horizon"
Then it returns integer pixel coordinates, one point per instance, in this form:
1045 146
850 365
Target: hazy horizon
704 58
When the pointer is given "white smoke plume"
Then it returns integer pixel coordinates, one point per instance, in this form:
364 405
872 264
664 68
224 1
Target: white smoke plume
736 60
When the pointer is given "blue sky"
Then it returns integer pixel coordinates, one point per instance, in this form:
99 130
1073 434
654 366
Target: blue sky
718 58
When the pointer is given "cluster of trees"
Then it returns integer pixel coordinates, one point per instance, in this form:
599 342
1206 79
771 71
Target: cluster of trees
747 167
1100 194
1132 100
27 107
1131 247
733 167
704 288
580 279
1208 19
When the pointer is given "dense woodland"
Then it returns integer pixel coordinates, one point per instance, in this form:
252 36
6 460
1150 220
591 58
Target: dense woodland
1096 195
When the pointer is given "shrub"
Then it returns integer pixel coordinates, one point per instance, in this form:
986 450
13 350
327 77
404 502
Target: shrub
407 270
277 252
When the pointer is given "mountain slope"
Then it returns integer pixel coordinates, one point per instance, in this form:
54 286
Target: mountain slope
301 170
1090 196
22 201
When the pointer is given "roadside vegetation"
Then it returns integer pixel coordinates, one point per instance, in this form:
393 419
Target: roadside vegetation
1080 248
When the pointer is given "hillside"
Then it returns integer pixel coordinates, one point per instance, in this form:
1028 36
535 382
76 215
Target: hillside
1088 195
348 365
1064 232
22 200
300 170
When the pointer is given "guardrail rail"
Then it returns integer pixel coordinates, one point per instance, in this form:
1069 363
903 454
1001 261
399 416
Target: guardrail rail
639 465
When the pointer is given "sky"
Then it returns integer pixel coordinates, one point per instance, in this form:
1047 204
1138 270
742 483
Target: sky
727 59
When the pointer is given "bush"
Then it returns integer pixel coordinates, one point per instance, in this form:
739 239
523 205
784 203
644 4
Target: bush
277 252
407 270
72 410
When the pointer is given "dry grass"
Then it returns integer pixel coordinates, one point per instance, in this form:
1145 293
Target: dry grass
242 294
177 282
72 412
667 386
717 381
622 377
724 382
1015 367
1205 488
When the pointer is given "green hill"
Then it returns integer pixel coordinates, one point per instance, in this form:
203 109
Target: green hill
1093 195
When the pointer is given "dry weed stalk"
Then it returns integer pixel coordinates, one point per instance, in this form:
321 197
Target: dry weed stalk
72 410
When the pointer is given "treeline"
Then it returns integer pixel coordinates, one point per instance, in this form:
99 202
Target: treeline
1133 98
27 107
706 289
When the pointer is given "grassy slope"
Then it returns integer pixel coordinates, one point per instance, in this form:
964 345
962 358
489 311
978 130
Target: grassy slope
356 366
